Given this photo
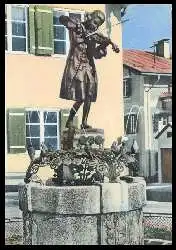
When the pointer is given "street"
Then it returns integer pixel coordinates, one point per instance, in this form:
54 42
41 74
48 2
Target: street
11 205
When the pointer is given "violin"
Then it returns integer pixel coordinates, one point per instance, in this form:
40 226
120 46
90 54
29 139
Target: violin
101 50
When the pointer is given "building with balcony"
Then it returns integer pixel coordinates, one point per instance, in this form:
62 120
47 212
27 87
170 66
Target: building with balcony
147 91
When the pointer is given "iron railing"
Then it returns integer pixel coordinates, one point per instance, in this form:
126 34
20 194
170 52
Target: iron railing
158 225
14 231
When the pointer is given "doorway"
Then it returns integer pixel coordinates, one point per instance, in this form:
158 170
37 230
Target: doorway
166 164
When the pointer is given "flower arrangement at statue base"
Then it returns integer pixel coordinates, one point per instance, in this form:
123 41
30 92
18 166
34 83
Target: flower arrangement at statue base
85 165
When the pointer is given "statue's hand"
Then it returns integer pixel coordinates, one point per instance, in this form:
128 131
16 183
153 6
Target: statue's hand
115 48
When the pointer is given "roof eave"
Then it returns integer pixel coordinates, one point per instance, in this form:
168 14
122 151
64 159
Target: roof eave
135 68
147 73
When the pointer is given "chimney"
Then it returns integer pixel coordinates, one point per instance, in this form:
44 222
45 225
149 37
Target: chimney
162 48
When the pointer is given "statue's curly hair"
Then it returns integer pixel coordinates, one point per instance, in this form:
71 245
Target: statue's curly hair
95 13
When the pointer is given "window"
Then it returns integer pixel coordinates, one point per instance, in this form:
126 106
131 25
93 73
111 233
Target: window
127 87
16 27
42 126
131 124
160 121
34 126
163 121
169 134
46 34
164 106
61 36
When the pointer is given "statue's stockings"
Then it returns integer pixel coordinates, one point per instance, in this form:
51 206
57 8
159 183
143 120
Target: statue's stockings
74 109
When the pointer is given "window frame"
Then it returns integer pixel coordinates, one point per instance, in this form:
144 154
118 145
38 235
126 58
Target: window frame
169 134
133 123
66 13
127 81
164 105
66 35
43 123
164 120
9 28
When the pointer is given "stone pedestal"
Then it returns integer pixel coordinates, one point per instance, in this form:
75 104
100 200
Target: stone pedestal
71 137
102 214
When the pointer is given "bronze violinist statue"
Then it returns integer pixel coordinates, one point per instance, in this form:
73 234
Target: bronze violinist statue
79 82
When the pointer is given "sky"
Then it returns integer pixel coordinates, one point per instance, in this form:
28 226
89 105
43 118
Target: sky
147 23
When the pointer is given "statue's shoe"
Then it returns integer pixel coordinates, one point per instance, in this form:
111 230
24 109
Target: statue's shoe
69 124
85 126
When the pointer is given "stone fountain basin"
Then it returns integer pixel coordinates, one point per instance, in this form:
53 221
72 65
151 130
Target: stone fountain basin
102 214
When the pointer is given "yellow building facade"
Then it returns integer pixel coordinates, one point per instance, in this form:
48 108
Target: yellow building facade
32 82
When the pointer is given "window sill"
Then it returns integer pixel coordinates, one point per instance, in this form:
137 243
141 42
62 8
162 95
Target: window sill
27 53
127 98
16 52
59 56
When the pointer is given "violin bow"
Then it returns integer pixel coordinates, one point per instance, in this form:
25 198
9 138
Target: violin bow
126 20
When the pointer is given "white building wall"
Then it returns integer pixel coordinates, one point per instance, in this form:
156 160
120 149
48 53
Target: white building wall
151 106
148 104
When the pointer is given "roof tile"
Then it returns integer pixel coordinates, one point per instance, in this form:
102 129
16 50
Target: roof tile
143 61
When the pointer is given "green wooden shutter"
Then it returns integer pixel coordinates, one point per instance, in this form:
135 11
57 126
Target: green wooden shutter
31 29
43 18
64 114
16 130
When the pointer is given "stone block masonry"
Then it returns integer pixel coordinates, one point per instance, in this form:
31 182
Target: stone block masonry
102 214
